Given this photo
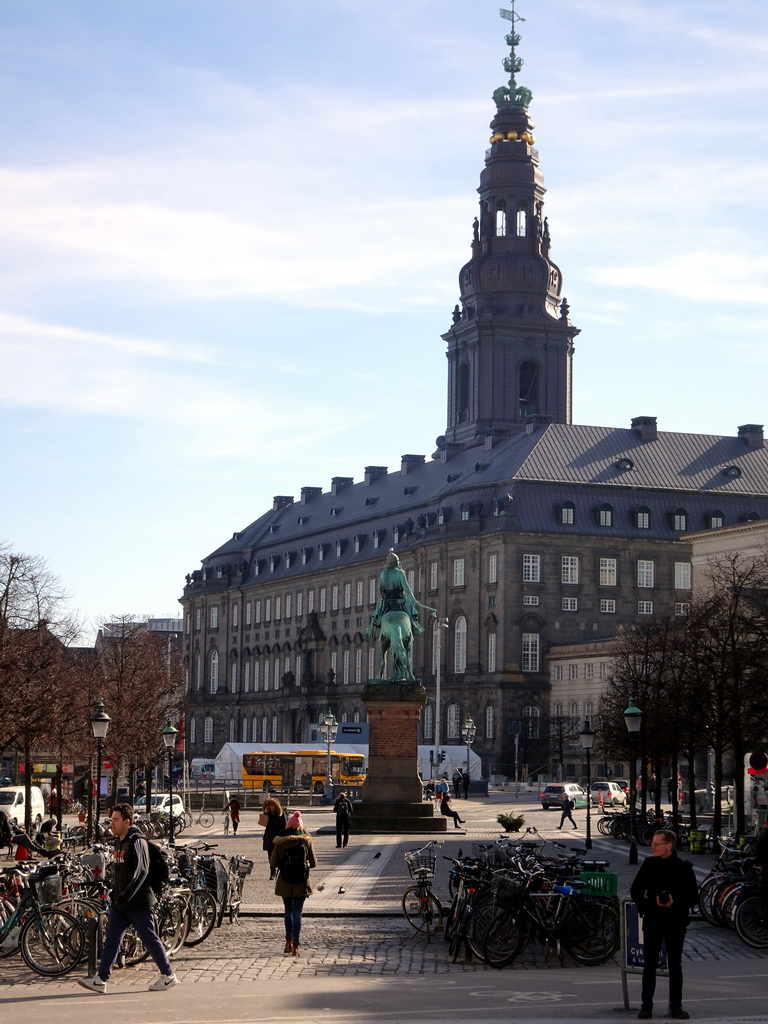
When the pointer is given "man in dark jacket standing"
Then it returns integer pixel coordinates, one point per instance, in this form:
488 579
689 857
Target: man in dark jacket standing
343 811
664 891
132 904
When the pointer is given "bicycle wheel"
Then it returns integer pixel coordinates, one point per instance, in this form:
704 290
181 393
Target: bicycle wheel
51 942
206 819
6 912
172 924
202 910
236 898
132 950
451 917
751 922
591 933
706 895
422 909
504 940
460 931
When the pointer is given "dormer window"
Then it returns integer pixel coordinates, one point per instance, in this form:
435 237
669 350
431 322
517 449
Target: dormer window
715 520
258 565
358 543
377 537
272 563
604 514
395 534
567 513
321 549
304 556
624 464
339 548
218 572
679 519
443 515
466 511
642 517
750 517
336 511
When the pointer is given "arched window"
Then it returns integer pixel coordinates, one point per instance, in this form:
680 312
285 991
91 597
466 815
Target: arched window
679 519
233 677
356 717
566 513
521 222
604 515
715 520
490 722
214 680
428 722
643 517
452 722
264 729
193 730
531 723
460 645
208 730
231 730
274 738
501 222
528 388
244 730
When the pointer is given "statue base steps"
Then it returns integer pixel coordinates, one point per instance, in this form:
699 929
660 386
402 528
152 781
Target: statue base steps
388 816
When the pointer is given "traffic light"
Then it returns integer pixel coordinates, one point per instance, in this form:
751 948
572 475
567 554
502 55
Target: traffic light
442 756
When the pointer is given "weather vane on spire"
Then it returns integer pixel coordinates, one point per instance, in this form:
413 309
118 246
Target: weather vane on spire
512 95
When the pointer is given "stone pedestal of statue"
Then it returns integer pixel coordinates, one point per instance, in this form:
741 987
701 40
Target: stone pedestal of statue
392 799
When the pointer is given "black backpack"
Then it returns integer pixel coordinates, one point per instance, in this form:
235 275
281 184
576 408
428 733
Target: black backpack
294 864
158 869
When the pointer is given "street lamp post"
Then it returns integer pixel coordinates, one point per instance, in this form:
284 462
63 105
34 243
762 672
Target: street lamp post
169 734
633 717
99 725
328 727
439 624
587 737
468 731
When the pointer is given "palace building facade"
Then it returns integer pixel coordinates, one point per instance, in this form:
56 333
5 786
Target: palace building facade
523 530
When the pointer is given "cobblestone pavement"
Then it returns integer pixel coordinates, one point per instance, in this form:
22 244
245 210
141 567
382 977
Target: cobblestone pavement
360 931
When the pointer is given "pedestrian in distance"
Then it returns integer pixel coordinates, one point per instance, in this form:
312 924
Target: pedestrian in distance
234 813
465 782
448 811
343 811
664 890
457 784
429 790
272 817
293 857
441 789
567 807
132 904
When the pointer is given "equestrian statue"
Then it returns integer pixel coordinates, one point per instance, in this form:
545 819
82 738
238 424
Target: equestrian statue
396 620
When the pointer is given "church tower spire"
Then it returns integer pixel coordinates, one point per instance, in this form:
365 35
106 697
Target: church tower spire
511 344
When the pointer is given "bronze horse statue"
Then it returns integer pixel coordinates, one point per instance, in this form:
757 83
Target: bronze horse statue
397 636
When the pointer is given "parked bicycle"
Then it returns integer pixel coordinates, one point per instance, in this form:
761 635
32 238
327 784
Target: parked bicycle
50 940
422 909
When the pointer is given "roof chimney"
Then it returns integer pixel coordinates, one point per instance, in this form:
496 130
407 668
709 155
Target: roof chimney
338 483
645 426
281 501
308 493
373 473
409 462
752 435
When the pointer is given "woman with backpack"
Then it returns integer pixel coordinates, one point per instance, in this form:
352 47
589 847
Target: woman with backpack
272 818
293 856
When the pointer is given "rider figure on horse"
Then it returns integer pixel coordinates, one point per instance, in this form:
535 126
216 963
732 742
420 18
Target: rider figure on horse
395 596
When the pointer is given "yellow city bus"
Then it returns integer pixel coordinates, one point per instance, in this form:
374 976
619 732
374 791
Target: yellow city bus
301 770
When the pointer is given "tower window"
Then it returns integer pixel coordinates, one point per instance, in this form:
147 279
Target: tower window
521 226
528 388
501 223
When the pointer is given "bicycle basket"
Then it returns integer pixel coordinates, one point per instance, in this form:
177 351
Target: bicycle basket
244 867
507 892
421 864
47 888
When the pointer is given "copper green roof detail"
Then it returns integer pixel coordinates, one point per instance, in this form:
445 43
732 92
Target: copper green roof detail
512 95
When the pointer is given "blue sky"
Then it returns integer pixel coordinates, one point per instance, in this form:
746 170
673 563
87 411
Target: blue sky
231 231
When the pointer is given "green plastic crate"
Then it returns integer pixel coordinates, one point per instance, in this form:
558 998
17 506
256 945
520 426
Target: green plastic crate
600 883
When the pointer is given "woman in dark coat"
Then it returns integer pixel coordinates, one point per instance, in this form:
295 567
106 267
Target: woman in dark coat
293 892
275 823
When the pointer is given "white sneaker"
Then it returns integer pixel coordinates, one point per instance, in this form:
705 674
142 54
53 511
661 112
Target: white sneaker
163 982
93 984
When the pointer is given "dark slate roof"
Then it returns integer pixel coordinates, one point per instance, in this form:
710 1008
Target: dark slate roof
530 474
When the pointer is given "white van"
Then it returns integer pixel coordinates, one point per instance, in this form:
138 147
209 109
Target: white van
161 802
12 801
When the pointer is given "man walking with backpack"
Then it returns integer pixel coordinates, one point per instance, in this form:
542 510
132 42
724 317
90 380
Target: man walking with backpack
132 904
293 855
